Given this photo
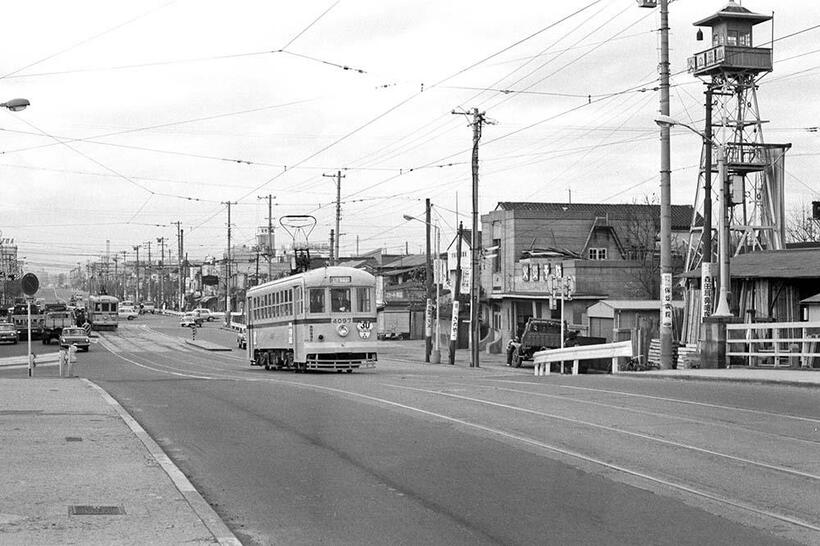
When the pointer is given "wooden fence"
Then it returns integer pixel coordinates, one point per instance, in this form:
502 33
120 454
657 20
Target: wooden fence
774 344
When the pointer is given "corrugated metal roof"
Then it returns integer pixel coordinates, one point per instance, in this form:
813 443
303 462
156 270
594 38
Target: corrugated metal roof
681 214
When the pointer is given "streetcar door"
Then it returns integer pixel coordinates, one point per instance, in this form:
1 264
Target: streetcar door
296 329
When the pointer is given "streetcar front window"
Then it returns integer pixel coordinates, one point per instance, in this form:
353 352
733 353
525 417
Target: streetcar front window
317 300
363 300
340 300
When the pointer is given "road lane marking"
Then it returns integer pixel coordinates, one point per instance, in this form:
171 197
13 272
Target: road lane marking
665 399
673 443
733 427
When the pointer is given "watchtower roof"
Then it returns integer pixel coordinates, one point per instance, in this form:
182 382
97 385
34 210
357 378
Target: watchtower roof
733 12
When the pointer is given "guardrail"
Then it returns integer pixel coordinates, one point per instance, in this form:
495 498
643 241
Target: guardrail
543 359
775 342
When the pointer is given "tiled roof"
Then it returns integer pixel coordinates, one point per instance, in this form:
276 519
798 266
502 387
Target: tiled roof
790 264
681 214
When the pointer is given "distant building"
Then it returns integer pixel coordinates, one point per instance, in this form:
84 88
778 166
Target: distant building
610 250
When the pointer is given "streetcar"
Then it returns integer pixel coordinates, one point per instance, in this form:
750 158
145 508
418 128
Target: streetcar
322 319
102 312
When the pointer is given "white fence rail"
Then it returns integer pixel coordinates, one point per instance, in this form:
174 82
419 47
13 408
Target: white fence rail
775 344
543 359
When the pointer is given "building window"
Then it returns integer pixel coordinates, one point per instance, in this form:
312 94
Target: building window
497 259
731 39
597 254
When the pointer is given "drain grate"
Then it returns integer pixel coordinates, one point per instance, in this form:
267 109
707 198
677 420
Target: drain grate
95 510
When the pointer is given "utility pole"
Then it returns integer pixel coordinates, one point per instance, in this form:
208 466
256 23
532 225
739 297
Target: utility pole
150 279
270 253
228 267
124 274
180 298
137 290
478 121
338 177
428 309
666 199
455 295
161 241
332 248
706 276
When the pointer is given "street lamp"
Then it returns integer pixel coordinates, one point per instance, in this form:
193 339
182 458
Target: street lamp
15 105
723 231
436 354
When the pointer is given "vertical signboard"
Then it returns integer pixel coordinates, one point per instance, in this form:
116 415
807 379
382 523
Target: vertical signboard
454 322
707 287
428 318
666 300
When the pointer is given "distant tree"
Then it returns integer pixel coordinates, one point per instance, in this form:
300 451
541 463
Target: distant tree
800 226
642 244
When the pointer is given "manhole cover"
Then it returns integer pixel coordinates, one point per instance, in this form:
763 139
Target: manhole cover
95 510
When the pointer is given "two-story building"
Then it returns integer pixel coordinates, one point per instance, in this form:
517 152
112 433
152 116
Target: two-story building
609 251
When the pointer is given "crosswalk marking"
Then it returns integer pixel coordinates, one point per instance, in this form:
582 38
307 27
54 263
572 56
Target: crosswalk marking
116 343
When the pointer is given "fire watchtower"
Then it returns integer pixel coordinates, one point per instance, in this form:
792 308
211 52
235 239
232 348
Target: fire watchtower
755 170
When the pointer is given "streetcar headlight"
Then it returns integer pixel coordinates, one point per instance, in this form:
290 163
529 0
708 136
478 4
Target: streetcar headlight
343 330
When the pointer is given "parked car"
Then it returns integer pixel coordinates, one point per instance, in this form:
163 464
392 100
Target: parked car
204 314
190 319
75 336
148 307
8 333
241 339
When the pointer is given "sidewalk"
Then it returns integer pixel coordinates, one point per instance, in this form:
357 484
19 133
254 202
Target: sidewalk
78 469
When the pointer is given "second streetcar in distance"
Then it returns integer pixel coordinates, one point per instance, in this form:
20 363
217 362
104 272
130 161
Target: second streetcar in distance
323 319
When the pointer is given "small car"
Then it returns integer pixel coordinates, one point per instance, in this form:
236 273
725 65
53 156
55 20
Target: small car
75 336
8 333
127 312
241 340
148 307
190 319
204 314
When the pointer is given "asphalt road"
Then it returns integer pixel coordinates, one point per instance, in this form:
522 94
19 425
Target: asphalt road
410 453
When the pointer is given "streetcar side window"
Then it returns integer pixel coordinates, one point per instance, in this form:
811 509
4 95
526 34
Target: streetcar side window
317 300
363 300
298 298
339 300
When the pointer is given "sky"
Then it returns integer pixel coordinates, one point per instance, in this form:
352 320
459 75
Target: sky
148 113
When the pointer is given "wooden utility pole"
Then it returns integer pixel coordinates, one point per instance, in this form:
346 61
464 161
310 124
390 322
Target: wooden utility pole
228 267
161 241
478 120
332 240
148 274
137 290
271 252
338 177
455 295
428 311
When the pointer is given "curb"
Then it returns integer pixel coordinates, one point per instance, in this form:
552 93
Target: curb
198 504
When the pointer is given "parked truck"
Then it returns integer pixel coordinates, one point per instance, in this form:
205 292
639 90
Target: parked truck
56 318
540 334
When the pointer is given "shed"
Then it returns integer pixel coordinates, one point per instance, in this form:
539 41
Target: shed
616 320
811 308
